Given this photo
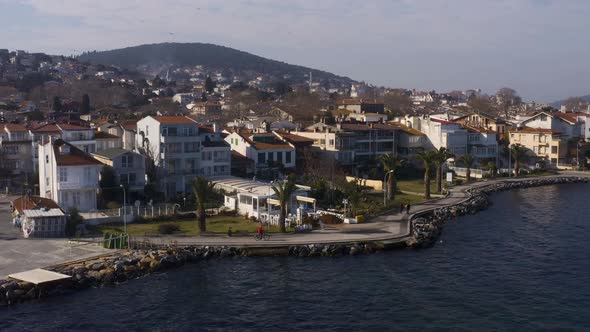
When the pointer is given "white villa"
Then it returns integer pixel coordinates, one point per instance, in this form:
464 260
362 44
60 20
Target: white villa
257 199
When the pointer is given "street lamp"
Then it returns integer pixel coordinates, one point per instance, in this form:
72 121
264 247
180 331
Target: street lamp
385 187
124 207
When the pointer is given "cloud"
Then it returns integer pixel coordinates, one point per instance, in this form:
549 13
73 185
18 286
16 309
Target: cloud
407 43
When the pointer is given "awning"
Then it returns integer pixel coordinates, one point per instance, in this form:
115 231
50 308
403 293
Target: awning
38 276
305 199
273 202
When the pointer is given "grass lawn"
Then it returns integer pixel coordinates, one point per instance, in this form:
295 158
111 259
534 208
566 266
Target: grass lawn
374 204
416 186
216 224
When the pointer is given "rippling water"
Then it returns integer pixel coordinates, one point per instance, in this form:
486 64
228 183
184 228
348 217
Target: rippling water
523 264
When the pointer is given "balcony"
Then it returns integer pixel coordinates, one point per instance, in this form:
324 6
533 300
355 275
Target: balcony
75 185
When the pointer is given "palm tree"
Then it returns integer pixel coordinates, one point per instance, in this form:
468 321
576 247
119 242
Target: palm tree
467 160
390 164
428 158
519 154
491 166
203 189
283 191
442 155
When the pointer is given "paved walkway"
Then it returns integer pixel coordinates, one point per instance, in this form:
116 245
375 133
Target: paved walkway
18 254
393 227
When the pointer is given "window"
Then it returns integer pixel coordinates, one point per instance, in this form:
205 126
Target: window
288 157
270 156
76 198
47 182
127 161
47 159
63 174
554 149
86 148
280 156
132 178
535 149
245 199
331 142
261 157
191 147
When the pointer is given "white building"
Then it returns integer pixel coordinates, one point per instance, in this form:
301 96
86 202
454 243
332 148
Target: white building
257 199
265 149
38 217
129 167
80 137
68 175
182 150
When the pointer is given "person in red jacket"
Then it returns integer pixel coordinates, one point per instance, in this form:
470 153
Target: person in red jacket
260 230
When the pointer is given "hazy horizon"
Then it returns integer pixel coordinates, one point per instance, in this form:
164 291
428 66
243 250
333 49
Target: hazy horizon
529 45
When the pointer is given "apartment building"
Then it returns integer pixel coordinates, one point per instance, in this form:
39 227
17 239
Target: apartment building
266 150
68 175
543 144
129 167
181 149
485 121
81 137
15 152
350 143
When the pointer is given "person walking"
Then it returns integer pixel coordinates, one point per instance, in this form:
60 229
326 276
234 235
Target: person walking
408 208
401 207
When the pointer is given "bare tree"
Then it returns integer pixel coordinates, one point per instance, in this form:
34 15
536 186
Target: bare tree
575 104
507 98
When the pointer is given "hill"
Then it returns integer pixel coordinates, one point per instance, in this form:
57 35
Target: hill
557 104
208 55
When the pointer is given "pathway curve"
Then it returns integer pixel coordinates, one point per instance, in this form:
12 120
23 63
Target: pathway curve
389 227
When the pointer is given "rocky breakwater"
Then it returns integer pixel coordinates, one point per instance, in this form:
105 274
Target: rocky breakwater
428 226
121 266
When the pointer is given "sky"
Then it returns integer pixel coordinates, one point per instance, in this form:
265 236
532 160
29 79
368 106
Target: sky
537 47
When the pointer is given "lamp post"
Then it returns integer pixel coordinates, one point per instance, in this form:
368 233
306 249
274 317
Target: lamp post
509 161
124 208
385 187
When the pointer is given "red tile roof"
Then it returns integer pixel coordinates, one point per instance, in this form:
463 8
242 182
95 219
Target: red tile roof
68 126
46 128
175 120
75 157
529 130
33 202
129 124
104 135
13 127
292 138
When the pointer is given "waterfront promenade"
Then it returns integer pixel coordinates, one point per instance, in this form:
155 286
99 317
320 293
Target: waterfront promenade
391 228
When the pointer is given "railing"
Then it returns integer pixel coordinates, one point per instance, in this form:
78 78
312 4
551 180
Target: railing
474 172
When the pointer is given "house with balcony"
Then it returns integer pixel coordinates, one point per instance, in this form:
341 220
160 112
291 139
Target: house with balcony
178 145
15 155
68 175
351 142
543 144
266 150
125 130
458 139
106 141
129 168
486 121
81 137
410 141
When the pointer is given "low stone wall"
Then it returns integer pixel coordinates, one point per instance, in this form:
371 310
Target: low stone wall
124 265
427 227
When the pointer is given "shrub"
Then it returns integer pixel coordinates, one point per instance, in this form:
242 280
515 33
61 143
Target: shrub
168 228
253 219
74 219
330 219
113 205
458 182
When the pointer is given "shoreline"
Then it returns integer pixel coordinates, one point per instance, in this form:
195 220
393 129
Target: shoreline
423 228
